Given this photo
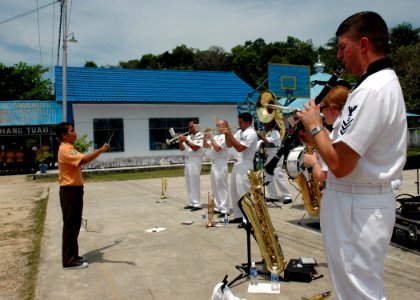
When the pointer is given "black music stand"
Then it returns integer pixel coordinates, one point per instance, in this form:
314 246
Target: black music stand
245 267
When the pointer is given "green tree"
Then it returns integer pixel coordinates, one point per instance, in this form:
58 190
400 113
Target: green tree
403 35
149 61
81 144
131 64
90 64
213 59
23 82
407 66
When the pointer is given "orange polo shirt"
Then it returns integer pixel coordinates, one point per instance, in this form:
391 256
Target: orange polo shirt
69 165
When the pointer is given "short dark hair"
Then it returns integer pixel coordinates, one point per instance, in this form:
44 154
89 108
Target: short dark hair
246 116
368 24
62 128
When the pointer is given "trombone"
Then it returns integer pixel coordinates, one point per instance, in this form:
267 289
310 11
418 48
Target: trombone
280 107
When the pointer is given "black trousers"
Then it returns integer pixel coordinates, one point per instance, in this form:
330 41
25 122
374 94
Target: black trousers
71 200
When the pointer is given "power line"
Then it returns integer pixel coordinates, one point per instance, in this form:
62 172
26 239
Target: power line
27 13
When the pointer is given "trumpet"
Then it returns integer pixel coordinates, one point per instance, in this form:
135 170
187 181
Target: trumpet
213 131
175 139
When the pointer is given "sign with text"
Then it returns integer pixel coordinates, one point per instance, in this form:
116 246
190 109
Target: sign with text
25 130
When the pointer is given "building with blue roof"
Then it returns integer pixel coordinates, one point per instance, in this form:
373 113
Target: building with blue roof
26 127
134 109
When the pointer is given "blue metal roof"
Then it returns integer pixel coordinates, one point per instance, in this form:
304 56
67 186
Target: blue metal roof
150 86
30 112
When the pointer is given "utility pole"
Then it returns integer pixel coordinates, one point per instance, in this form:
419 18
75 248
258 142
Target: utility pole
64 70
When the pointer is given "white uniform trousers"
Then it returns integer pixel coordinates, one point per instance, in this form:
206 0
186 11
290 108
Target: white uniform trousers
192 173
357 229
219 185
276 180
239 184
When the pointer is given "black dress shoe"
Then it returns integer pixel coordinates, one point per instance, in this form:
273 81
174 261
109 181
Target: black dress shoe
287 201
242 225
236 220
222 215
195 208
82 259
272 200
188 207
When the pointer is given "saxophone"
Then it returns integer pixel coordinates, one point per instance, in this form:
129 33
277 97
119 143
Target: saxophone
263 230
310 190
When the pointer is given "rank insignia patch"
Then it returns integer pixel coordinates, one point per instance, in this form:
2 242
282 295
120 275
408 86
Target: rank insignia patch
348 121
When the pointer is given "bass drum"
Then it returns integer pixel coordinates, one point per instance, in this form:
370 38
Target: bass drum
294 162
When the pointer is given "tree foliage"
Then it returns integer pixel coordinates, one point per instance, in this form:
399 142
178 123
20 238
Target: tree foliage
23 82
90 64
249 61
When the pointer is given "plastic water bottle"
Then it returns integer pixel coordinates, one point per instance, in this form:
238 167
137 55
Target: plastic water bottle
225 221
275 284
203 217
253 274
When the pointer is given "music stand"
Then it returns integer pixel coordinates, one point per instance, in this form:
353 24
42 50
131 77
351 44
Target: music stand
245 267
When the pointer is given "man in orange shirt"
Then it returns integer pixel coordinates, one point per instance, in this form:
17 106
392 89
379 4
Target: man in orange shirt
71 192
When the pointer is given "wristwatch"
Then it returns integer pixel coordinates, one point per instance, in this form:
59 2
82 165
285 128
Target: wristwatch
316 130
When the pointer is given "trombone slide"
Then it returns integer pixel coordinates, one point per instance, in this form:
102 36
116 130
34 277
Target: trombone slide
274 106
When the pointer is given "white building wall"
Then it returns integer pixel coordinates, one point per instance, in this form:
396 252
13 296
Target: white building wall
136 126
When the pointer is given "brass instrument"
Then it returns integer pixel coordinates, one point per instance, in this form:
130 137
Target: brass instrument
263 230
175 139
210 210
164 186
310 190
265 112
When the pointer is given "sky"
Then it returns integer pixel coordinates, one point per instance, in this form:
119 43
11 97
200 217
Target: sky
110 31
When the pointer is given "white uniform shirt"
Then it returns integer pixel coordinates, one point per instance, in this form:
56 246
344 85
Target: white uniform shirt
249 139
196 139
223 153
373 123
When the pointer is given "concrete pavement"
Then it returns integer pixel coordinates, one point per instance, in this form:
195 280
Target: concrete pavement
184 261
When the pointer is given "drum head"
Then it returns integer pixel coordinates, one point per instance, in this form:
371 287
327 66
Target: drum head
294 162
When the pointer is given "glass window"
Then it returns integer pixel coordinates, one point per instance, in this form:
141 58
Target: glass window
159 131
109 131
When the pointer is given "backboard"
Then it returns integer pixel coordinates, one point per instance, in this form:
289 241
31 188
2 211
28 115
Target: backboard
289 80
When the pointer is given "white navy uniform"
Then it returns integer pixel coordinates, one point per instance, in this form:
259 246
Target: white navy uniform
277 178
192 169
219 175
358 210
239 182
